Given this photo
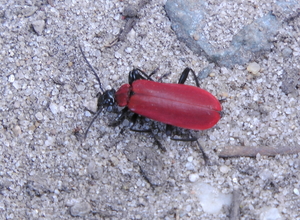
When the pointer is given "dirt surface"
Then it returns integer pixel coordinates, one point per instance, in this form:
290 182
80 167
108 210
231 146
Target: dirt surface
46 87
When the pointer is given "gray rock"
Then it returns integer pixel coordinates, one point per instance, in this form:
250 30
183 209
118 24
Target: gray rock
38 26
29 10
188 19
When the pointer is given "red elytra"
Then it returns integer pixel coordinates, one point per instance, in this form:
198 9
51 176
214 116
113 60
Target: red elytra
179 105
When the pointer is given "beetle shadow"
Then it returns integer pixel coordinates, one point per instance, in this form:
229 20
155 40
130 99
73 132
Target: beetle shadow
155 129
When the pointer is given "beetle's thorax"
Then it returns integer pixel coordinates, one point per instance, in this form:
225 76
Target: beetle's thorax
122 95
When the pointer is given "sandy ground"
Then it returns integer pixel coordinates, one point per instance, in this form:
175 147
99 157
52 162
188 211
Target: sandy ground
46 86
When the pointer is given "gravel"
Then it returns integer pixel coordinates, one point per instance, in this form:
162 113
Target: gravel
47 172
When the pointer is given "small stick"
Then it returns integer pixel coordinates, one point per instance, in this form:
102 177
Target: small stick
242 151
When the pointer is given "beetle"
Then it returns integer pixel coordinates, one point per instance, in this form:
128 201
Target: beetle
177 105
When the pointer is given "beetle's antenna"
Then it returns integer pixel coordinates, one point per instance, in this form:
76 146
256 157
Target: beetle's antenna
91 122
94 72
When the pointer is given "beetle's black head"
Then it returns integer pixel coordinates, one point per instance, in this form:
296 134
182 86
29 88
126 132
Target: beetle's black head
107 98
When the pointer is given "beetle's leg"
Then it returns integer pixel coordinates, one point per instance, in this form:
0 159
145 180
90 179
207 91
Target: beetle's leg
133 120
137 74
153 72
90 111
91 122
156 141
191 139
169 130
185 74
163 76
120 118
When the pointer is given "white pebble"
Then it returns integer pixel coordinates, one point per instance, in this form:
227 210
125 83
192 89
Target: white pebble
268 213
193 177
211 200
253 68
224 169
190 159
80 88
39 116
296 191
288 111
118 55
91 105
115 77
189 166
131 35
54 108
50 141
128 50
11 78
17 130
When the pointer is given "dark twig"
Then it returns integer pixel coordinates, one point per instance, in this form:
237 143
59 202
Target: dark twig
130 14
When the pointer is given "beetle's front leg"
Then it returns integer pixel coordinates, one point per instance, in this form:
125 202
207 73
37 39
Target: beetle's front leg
91 122
185 74
120 118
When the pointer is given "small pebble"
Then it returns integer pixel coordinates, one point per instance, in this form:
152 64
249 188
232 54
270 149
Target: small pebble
80 209
193 177
39 116
54 108
115 77
131 35
287 52
128 50
38 26
235 180
29 10
224 169
80 88
190 159
296 191
118 55
114 161
17 104
17 130
11 78
50 141
91 105
212 74
189 166
268 213
253 68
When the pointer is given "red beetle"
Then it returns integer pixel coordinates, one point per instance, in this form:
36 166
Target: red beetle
177 105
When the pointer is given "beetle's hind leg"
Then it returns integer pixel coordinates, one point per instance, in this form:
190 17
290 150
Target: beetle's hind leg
150 131
193 139
169 131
